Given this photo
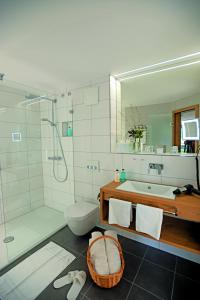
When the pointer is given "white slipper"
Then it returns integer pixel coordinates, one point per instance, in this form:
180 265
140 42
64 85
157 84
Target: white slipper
77 285
67 279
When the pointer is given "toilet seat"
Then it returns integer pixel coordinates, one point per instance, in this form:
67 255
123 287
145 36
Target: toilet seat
81 211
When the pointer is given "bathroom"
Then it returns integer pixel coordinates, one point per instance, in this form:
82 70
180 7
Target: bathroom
74 52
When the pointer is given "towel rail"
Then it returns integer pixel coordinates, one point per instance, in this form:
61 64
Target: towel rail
174 213
164 211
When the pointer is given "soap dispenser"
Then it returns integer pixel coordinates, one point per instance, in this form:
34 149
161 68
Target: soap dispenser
117 176
122 175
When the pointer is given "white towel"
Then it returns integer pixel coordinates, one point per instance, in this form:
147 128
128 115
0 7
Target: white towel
120 212
114 260
149 220
98 254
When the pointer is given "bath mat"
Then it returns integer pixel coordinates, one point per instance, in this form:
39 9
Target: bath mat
30 277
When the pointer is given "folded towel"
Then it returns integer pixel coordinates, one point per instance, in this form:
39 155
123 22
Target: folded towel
120 212
149 220
114 260
98 254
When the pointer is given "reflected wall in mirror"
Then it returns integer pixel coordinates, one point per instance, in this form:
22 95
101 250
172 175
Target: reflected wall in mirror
149 105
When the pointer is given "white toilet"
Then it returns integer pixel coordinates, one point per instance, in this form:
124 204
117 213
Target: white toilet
82 217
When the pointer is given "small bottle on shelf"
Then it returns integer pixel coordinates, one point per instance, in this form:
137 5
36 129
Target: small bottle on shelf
122 175
69 131
116 178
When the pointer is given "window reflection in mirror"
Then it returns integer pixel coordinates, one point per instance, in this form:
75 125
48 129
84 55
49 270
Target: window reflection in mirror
149 107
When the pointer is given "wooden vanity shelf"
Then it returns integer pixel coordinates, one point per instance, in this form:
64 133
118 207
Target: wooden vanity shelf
182 230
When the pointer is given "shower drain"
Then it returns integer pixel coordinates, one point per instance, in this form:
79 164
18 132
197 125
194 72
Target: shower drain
9 239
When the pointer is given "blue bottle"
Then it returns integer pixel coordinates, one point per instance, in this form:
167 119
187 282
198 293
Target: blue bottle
122 175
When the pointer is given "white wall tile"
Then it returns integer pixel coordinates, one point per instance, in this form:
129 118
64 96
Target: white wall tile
132 163
15 187
104 91
81 159
10 160
7 145
36 182
101 110
77 96
83 189
83 174
34 144
35 170
179 167
34 131
142 177
34 157
177 182
14 174
20 211
103 177
100 143
100 126
108 161
14 115
17 201
81 112
33 117
140 163
37 195
8 128
67 144
46 130
82 144
82 128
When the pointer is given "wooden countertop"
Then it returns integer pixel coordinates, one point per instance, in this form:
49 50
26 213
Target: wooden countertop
187 207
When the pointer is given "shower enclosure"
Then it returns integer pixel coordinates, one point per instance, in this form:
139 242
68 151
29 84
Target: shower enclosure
35 186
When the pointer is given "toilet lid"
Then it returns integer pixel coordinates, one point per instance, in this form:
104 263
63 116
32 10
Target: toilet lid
81 210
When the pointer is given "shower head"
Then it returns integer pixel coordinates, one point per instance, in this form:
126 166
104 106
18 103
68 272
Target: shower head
32 99
47 120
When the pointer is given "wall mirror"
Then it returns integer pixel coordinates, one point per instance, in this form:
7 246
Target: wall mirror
150 106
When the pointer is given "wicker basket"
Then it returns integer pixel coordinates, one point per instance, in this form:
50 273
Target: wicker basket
105 281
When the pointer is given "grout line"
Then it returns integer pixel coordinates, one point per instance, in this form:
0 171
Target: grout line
136 274
87 290
172 291
145 252
129 281
137 285
189 278
155 264
133 254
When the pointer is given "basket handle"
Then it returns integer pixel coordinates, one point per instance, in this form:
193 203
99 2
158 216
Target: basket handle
105 237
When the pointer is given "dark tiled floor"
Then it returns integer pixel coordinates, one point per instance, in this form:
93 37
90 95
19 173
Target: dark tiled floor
150 274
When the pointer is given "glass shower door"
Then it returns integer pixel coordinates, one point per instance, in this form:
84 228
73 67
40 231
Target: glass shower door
21 169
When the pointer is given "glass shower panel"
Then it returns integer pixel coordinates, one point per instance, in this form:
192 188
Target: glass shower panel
3 248
14 163
21 167
32 202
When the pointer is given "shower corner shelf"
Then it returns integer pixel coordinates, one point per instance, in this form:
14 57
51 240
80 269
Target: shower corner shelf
67 130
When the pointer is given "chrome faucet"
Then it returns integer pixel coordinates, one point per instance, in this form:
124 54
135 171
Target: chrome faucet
153 166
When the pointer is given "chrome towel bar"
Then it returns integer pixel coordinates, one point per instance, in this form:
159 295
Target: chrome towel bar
164 211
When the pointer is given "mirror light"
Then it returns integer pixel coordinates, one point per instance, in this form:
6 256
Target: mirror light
175 63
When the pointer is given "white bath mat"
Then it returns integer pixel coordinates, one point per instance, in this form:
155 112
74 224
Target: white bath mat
30 277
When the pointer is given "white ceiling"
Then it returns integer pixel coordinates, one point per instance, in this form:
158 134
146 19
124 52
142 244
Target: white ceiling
54 44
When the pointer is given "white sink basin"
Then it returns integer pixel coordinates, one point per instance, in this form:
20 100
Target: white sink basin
152 189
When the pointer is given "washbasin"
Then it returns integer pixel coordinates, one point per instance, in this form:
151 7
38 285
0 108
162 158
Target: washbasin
152 189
